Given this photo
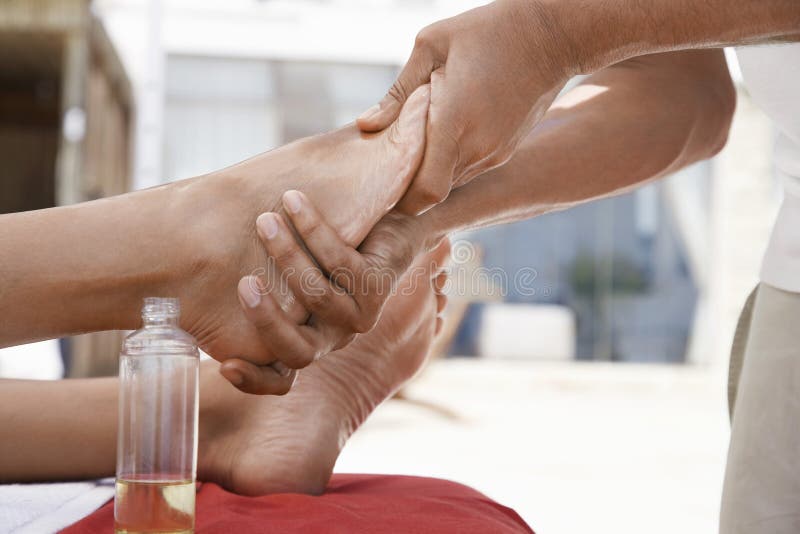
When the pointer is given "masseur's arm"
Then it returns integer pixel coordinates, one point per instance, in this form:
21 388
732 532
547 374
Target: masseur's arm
626 125
602 33
494 70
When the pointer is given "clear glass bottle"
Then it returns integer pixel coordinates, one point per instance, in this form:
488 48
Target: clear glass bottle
157 434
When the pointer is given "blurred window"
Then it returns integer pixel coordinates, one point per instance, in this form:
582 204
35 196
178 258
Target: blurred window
217 112
222 110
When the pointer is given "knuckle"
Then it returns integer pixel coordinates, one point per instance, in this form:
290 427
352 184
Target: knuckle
346 260
286 255
309 226
262 321
427 37
338 263
318 300
423 38
397 91
343 277
402 257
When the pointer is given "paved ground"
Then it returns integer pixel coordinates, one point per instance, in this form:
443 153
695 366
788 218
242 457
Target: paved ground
572 447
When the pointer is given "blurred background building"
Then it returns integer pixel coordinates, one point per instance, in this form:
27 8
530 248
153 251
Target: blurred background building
655 276
66 106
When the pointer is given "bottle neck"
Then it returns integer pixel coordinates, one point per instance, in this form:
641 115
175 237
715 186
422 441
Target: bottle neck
160 312
153 320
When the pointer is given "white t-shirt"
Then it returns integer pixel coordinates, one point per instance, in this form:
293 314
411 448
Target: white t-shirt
772 74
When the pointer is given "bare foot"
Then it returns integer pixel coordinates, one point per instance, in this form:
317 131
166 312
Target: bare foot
353 178
264 444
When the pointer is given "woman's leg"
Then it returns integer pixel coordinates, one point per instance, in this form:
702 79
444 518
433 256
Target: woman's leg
250 444
762 479
57 430
86 267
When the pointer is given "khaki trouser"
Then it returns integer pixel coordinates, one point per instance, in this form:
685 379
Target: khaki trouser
762 478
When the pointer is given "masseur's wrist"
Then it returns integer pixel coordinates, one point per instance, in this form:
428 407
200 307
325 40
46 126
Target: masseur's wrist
540 28
584 43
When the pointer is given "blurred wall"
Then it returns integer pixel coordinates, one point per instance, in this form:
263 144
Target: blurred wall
65 115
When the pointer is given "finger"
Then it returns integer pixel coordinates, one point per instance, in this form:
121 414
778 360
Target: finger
311 288
282 369
342 264
434 179
294 345
256 379
406 137
335 256
392 246
416 72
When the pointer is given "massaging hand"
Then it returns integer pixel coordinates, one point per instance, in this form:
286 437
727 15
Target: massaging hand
493 71
344 289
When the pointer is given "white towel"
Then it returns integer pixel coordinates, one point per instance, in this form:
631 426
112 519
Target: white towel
46 508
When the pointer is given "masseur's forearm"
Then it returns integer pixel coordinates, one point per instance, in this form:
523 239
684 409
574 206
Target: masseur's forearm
85 267
623 126
603 32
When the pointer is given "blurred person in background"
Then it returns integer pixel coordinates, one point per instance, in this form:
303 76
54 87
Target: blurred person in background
645 112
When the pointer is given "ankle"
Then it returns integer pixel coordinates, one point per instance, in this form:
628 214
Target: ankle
356 381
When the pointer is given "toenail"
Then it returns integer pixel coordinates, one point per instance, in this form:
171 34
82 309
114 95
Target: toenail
292 201
268 225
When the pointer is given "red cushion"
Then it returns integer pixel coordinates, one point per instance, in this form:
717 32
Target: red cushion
353 503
